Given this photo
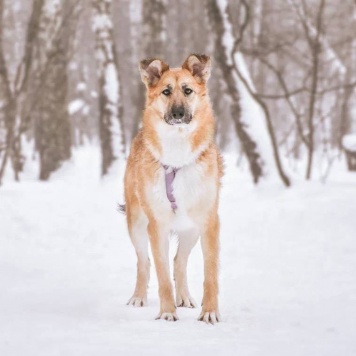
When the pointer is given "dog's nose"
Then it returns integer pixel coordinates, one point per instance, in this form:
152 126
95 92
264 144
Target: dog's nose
178 112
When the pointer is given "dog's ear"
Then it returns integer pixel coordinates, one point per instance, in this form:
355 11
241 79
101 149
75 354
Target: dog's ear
199 65
151 70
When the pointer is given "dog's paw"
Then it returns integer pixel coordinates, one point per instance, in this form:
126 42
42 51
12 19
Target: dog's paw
185 301
137 301
211 317
167 316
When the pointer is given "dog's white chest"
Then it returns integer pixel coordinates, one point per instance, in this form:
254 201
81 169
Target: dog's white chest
175 145
189 186
193 191
188 190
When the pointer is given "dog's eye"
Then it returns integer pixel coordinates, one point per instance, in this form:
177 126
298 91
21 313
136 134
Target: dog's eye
166 92
187 91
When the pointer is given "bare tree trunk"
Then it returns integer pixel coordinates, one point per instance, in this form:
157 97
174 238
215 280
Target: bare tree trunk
345 120
226 55
248 144
50 117
15 97
153 23
6 95
153 38
136 90
21 87
314 43
110 108
287 97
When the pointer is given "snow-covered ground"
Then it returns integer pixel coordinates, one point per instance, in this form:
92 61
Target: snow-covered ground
67 268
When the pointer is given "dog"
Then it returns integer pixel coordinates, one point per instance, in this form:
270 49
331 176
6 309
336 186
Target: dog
172 183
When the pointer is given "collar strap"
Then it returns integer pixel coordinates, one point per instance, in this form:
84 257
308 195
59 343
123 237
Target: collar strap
170 174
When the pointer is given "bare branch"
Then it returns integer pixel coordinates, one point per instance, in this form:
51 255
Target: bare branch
256 97
287 96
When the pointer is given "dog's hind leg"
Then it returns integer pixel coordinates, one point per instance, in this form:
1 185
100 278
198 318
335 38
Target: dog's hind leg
187 241
137 223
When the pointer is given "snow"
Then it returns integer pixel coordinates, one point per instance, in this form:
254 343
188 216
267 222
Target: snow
101 22
112 90
228 38
75 105
67 268
111 83
349 142
86 110
82 86
108 74
73 66
135 11
52 7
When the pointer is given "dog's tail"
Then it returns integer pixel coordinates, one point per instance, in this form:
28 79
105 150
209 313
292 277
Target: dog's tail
121 208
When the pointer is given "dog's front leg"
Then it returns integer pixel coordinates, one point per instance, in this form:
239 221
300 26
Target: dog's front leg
210 246
159 238
187 240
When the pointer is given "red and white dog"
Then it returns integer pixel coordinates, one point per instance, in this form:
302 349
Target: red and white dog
172 183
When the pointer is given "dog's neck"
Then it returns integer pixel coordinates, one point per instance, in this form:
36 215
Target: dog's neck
177 146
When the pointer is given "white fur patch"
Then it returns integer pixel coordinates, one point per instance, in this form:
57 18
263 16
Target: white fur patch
194 193
182 222
175 143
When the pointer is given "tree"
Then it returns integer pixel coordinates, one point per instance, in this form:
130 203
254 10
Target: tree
255 148
50 115
110 107
153 25
153 39
314 40
14 94
285 57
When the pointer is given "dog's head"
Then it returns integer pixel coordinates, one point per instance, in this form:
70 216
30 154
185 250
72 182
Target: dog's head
176 94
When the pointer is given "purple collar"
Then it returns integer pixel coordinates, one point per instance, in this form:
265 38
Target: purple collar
170 174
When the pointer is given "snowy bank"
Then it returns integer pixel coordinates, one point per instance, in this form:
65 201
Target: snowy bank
288 261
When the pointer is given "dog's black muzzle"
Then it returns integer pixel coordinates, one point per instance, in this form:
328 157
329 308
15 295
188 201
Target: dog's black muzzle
178 115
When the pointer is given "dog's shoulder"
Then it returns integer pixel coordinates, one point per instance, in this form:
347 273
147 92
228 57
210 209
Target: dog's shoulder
213 160
141 161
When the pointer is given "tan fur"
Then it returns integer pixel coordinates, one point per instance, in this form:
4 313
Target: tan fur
145 175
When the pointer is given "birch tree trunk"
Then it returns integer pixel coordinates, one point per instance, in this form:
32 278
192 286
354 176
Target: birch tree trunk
110 108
